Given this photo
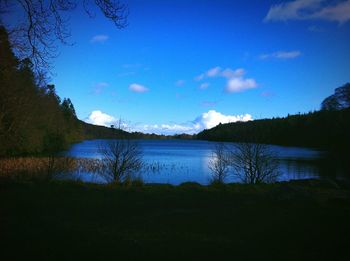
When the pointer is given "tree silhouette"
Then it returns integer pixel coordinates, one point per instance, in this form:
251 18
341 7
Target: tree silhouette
121 158
339 100
219 163
32 117
45 22
254 163
68 109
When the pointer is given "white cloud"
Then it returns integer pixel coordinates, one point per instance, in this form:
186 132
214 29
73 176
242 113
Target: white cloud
135 87
167 129
287 55
310 9
297 9
212 118
235 79
99 118
204 85
205 121
240 84
218 72
100 38
180 83
339 13
281 55
199 77
229 73
214 72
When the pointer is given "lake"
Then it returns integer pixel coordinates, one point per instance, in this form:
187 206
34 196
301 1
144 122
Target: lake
178 161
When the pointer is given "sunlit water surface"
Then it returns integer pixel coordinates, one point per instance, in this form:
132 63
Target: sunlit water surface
178 161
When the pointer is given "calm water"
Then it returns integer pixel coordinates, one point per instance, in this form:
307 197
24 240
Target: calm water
178 161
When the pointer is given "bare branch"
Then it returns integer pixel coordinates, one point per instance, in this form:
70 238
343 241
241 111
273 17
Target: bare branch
121 159
219 163
254 163
114 11
46 22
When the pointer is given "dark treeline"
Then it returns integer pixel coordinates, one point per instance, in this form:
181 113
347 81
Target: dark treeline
327 129
33 119
91 131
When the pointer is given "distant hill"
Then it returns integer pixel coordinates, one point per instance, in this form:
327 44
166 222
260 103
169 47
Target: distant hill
91 131
328 129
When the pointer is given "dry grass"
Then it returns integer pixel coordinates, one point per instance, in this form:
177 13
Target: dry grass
46 168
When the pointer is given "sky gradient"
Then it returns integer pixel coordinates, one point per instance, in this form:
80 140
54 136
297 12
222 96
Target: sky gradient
182 66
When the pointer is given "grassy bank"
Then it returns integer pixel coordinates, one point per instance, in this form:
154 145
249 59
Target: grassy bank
300 220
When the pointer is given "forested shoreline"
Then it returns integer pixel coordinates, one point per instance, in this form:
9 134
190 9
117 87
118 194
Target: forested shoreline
33 118
325 129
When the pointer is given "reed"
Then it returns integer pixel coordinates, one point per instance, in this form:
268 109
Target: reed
50 168
46 168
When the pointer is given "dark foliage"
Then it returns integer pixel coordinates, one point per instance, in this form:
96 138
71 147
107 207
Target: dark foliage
32 117
301 220
321 129
91 131
34 120
339 100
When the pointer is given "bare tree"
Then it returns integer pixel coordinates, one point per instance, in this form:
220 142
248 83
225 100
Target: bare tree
219 163
121 159
42 23
254 163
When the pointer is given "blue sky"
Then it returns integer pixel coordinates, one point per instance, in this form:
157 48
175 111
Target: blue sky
181 66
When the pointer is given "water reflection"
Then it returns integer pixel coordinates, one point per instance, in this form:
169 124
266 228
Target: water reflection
177 161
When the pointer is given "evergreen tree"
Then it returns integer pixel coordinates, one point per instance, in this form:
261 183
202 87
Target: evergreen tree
339 100
32 118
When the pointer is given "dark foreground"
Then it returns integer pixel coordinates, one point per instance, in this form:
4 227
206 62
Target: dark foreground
301 220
